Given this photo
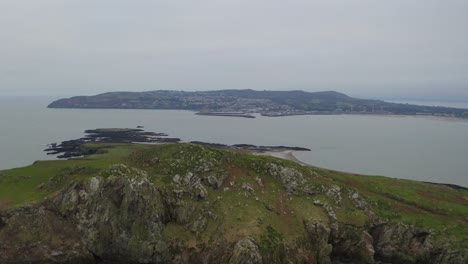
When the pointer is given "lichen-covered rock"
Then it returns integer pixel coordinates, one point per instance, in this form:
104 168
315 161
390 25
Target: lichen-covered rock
354 244
292 179
192 185
199 225
333 220
246 252
199 191
357 200
401 244
334 192
181 213
120 217
247 187
176 179
318 235
215 181
34 234
448 255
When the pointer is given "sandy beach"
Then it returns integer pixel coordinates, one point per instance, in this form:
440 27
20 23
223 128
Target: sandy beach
287 155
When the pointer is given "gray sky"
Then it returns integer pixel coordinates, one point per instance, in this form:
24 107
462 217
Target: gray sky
368 48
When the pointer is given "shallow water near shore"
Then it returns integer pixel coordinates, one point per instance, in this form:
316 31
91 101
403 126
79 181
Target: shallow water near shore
416 148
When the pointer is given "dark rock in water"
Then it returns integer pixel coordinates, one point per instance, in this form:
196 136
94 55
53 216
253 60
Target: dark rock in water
167 140
69 148
212 145
244 146
286 148
453 186
228 114
73 148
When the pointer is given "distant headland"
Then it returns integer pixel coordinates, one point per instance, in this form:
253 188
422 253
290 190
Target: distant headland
243 103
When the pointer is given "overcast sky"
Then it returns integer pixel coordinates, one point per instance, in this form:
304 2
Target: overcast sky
368 48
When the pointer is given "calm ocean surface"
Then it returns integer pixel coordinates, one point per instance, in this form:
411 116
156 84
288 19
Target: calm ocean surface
416 148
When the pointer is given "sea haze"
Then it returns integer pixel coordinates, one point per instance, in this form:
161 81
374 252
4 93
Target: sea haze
419 148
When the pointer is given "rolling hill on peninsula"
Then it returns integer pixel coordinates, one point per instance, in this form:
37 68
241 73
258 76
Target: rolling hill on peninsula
268 103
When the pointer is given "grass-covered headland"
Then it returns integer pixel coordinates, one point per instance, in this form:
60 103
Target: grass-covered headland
186 203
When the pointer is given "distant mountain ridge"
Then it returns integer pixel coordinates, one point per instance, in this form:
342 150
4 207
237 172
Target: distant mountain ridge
270 103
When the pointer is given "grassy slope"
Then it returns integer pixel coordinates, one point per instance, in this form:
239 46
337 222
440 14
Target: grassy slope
439 208
21 185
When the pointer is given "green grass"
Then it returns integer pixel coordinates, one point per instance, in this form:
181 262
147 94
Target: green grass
22 185
439 208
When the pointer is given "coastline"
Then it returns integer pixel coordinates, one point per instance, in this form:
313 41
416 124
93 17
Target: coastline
282 154
430 117
289 155
259 114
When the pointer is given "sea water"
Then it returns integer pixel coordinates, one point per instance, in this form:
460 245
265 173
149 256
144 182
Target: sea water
419 148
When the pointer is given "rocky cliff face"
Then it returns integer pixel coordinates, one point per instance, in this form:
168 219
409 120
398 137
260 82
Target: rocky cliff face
121 216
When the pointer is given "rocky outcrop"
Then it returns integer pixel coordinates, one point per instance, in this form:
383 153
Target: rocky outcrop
34 234
450 255
332 219
292 179
354 244
318 235
119 217
400 243
357 200
191 184
246 252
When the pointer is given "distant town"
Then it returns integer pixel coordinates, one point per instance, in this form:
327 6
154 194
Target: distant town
244 103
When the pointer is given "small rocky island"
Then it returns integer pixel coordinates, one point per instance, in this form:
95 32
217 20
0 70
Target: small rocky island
76 147
73 148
